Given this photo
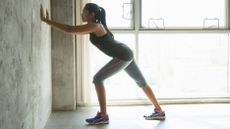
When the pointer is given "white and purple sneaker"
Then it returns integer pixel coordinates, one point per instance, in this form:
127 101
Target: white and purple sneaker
156 115
98 119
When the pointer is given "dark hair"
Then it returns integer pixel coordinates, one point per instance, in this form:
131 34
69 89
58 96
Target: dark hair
100 16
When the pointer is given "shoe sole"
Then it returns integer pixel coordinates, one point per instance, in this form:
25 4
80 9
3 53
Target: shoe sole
155 118
102 122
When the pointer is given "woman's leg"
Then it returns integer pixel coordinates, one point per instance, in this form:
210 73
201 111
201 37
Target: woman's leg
133 70
149 93
111 68
101 95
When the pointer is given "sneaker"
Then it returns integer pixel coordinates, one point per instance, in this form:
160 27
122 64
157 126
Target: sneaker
155 116
98 119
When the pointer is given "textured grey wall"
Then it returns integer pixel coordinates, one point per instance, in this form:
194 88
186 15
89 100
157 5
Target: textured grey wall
25 65
63 57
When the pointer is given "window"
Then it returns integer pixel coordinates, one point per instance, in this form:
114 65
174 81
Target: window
185 65
176 64
187 14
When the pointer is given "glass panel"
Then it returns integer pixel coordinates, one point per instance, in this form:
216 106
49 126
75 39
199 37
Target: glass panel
185 65
118 13
189 14
119 86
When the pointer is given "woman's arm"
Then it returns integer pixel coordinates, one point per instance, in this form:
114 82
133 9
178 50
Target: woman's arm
82 29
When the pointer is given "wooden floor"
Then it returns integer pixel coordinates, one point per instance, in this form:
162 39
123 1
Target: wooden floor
197 116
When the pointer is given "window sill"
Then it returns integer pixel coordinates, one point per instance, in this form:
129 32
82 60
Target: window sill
165 101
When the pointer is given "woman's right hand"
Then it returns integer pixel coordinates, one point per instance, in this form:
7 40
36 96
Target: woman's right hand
43 16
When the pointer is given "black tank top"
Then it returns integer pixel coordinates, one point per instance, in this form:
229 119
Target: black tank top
112 47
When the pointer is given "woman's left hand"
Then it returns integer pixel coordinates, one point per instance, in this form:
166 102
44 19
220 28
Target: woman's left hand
43 16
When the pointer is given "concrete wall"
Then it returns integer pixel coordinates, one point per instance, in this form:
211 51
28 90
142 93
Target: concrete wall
25 65
63 57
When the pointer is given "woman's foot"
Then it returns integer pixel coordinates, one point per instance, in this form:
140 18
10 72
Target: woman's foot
156 115
98 119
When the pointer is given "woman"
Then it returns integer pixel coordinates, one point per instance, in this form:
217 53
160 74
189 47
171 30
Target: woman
122 58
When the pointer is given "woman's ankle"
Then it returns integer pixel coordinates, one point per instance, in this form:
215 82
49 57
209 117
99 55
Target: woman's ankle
103 113
158 110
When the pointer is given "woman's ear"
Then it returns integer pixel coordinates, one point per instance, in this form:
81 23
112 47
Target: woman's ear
92 14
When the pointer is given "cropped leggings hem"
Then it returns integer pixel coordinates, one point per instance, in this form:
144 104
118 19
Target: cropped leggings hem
114 66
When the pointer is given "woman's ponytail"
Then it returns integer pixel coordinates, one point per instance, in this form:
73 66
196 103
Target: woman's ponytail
102 19
102 15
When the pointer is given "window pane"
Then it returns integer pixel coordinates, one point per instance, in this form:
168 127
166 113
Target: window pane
185 65
118 13
190 14
119 86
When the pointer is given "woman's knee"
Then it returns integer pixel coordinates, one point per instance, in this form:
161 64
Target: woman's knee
142 84
98 80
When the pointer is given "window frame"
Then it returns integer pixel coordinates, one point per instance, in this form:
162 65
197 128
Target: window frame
81 77
138 29
137 22
137 25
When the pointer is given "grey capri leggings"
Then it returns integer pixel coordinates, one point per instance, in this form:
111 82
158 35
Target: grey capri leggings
115 65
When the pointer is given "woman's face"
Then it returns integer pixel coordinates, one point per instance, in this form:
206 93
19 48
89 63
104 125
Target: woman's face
87 16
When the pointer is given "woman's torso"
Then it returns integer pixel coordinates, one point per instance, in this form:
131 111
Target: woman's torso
111 47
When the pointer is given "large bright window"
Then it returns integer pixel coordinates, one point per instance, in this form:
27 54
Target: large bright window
185 65
175 64
176 14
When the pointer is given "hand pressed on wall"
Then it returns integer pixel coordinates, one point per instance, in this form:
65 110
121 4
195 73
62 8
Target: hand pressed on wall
43 16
